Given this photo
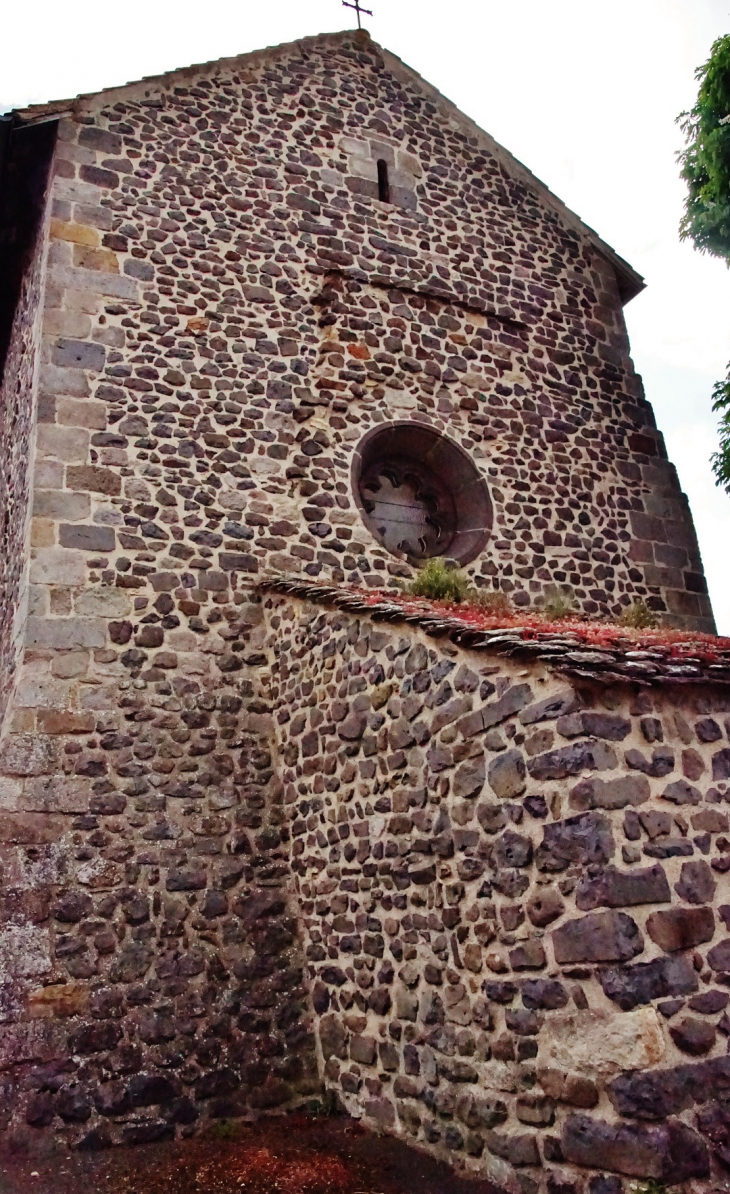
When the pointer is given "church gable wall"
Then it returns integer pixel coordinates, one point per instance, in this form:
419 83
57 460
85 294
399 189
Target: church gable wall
230 301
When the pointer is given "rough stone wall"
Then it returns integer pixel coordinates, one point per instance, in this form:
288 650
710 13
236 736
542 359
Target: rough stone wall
18 377
228 310
229 296
513 893
150 971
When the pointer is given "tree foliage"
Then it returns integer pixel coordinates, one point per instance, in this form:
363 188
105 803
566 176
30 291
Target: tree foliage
706 221
706 160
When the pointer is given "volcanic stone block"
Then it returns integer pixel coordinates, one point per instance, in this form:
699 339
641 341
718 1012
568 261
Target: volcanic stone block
693 1036
514 699
363 1049
550 708
696 883
681 928
719 956
613 888
512 850
721 764
655 1094
469 778
150 636
611 793
518 1150
606 725
584 839
506 775
333 1037
544 993
545 906
681 792
481 1110
672 1153
714 1123
528 955
660 764
571 760
535 1109
599 937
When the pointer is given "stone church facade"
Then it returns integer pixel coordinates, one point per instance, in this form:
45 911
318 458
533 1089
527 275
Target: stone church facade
271 328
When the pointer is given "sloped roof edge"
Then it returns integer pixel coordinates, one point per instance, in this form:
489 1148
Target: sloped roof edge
630 282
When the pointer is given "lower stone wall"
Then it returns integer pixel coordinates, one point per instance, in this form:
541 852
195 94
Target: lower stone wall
514 897
150 967
487 906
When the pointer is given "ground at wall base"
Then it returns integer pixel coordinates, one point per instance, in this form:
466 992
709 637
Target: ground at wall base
285 1155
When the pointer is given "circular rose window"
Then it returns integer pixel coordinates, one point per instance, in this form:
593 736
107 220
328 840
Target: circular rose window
420 495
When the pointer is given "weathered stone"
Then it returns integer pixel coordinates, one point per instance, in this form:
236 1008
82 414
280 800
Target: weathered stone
333 1037
611 793
656 1094
693 1036
96 1038
535 1109
571 760
481 1111
544 993
696 883
583 839
681 928
598 937
719 956
530 955
672 1153
363 1049
606 725
629 986
680 792
517 1150
86 538
506 775
660 764
613 888
568 1088
469 779
23 754
550 708
721 764
545 906
512 850
602 1042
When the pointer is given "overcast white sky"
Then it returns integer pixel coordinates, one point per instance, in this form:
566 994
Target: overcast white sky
584 93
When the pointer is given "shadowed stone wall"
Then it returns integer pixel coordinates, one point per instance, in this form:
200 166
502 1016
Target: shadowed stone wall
19 358
513 898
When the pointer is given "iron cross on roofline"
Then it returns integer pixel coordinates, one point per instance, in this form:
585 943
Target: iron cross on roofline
358 10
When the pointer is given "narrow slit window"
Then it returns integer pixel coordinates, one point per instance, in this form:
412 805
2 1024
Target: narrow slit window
383 184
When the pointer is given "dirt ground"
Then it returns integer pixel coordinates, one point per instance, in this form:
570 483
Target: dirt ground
291 1155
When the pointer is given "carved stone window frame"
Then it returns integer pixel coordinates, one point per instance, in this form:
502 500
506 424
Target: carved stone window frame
450 512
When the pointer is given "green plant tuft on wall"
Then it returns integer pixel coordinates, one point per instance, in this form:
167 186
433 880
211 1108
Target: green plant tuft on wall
558 604
639 616
439 581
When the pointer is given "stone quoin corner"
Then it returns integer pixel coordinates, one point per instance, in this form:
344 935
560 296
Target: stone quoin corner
273 331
